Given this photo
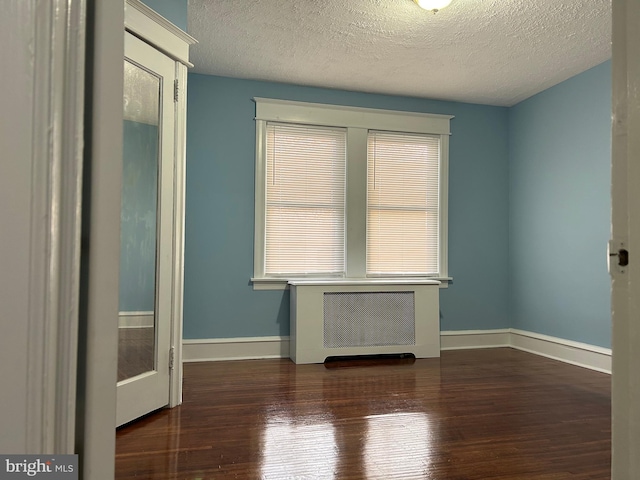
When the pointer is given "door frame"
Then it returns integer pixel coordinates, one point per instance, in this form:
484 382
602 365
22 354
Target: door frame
99 270
40 185
625 198
163 35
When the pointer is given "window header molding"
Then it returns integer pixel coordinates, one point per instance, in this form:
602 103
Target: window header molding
286 111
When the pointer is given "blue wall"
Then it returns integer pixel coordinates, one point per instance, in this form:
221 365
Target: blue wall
529 207
173 10
559 158
219 298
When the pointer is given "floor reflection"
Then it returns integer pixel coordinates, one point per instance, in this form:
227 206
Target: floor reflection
397 445
298 449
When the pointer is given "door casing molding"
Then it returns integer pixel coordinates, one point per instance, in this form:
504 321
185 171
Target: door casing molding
54 246
99 273
625 176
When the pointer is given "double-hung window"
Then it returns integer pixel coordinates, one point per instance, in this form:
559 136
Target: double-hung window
347 192
305 200
403 204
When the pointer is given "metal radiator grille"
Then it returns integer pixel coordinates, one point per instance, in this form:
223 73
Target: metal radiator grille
366 319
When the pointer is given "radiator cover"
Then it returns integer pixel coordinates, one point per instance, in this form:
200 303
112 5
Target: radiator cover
342 318
368 319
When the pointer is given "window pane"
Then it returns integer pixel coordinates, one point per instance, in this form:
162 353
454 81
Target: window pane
402 203
305 207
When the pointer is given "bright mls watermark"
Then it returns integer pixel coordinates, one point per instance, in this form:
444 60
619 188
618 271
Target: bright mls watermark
52 467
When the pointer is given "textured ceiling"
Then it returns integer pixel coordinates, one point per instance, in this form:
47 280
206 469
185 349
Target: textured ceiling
495 52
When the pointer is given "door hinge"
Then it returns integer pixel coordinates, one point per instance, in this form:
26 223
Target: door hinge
172 353
175 90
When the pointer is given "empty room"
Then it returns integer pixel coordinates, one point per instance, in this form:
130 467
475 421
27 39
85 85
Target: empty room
496 240
319 239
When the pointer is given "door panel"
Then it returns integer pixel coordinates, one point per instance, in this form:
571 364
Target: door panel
147 217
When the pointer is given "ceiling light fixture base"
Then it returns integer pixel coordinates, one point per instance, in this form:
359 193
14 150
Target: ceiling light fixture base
432 5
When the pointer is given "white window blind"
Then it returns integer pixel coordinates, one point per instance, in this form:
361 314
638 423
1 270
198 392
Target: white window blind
402 203
305 200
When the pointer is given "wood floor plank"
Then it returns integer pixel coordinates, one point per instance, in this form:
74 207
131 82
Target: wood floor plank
492 414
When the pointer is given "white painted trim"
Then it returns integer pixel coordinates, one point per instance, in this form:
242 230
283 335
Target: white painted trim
352 282
283 284
243 348
260 213
41 351
356 202
274 110
443 205
268 283
136 319
69 205
17 24
470 339
147 24
175 385
567 351
57 116
98 330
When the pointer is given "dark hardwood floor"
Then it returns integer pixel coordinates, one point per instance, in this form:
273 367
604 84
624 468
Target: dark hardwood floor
472 414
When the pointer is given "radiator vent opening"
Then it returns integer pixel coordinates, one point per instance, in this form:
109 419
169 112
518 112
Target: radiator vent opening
369 319
369 360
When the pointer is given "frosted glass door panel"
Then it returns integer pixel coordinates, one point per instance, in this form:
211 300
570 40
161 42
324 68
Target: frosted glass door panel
139 225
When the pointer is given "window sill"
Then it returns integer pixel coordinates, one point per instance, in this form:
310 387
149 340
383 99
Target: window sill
283 284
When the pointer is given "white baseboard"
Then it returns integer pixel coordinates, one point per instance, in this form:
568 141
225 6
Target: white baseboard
467 339
135 319
568 351
244 348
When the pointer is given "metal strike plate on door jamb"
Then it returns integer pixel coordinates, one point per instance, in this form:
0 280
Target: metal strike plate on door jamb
618 256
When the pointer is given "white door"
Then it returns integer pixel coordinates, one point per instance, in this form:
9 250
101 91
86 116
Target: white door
146 237
626 238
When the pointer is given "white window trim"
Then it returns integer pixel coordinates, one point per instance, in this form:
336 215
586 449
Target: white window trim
358 122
